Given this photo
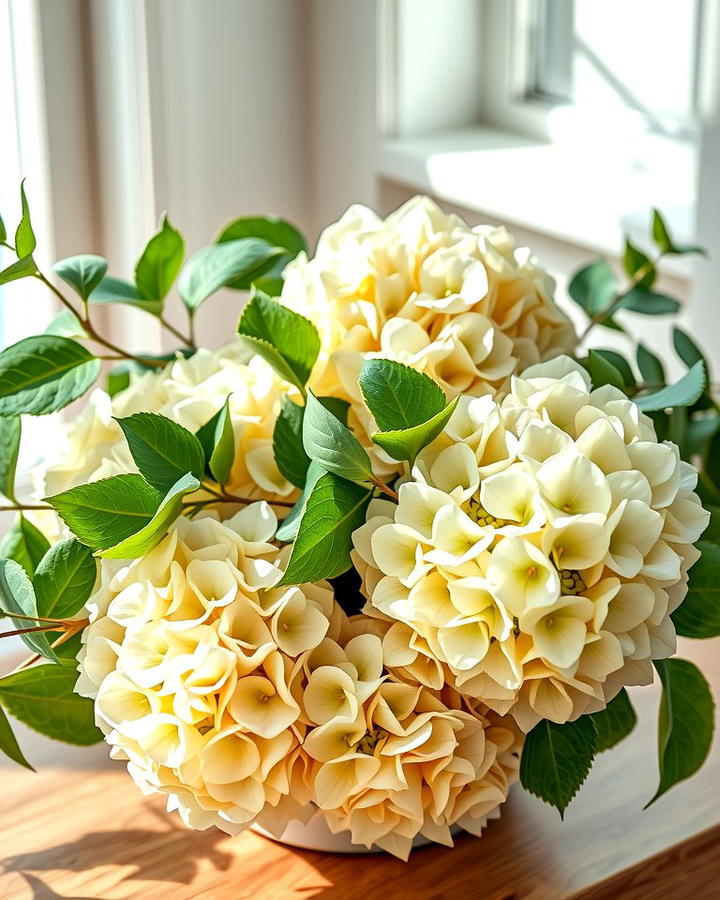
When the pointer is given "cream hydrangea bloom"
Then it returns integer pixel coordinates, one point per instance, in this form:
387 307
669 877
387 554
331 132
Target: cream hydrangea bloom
421 287
389 760
190 392
537 552
193 658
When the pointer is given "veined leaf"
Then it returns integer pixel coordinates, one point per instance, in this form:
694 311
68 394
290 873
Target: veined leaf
43 698
683 393
160 262
217 440
83 273
290 455
17 597
698 616
398 396
290 525
286 340
115 290
406 444
685 725
25 544
615 722
8 742
42 374
334 509
10 431
64 579
556 760
163 450
150 535
332 444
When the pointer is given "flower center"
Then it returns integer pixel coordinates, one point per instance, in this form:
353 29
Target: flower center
369 742
482 517
571 582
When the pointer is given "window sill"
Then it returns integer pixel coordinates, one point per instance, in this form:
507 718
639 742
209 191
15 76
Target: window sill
573 193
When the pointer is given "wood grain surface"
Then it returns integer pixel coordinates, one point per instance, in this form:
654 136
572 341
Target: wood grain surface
80 829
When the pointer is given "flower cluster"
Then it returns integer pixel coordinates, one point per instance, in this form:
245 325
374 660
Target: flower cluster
245 702
190 392
421 287
538 550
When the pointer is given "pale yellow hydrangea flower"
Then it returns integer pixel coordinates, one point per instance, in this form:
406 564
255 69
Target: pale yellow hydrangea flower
537 551
190 392
462 304
193 658
389 760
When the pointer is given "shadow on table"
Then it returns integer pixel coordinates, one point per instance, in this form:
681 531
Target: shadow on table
172 855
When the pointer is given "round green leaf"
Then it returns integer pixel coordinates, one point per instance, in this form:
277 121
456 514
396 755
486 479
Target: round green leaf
160 262
83 273
64 579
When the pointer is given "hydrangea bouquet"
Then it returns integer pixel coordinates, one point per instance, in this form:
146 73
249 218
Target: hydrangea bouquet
396 545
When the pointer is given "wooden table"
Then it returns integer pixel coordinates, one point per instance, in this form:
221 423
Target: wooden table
81 829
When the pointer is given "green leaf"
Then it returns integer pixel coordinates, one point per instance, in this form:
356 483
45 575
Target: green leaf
649 303
335 508
685 724
406 444
332 444
10 432
615 722
44 373
290 455
602 371
338 407
82 273
220 265
160 262
20 269
118 379
25 544
665 243
3 230
594 287
104 513
217 440
150 535
698 616
8 742
687 349
18 597
398 396
620 363
291 523
25 242
276 232
286 340
683 393
43 697
66 324
269 284
163 450
115 290
650 366
64 579
556 760
634 260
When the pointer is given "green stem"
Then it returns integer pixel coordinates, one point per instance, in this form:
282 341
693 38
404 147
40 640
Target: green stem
637 278
20 507
187 340
386 489
56 622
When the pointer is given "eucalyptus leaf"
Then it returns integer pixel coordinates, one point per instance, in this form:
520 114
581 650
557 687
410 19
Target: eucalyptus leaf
332 444
24 543
10 432
23 268
275 231
163 450
406 444
664 241
219 265
3 231
290 455
43 697
698 616
649 303
594 287
64 579
398 396
602 371
286 340
143 541
115 290
66 324
106 512
217 440
334 510
556 760
83 273
8 742
685 724
687 349
651 368
25 242
635 262
618 362
17 597
615 722
291 523
683 393
160 262
44 373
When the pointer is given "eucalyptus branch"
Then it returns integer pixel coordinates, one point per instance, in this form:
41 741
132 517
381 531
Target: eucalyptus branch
76 625
34 628
84 320
21 507
386 489
617 300
232 498
25 618
188 340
